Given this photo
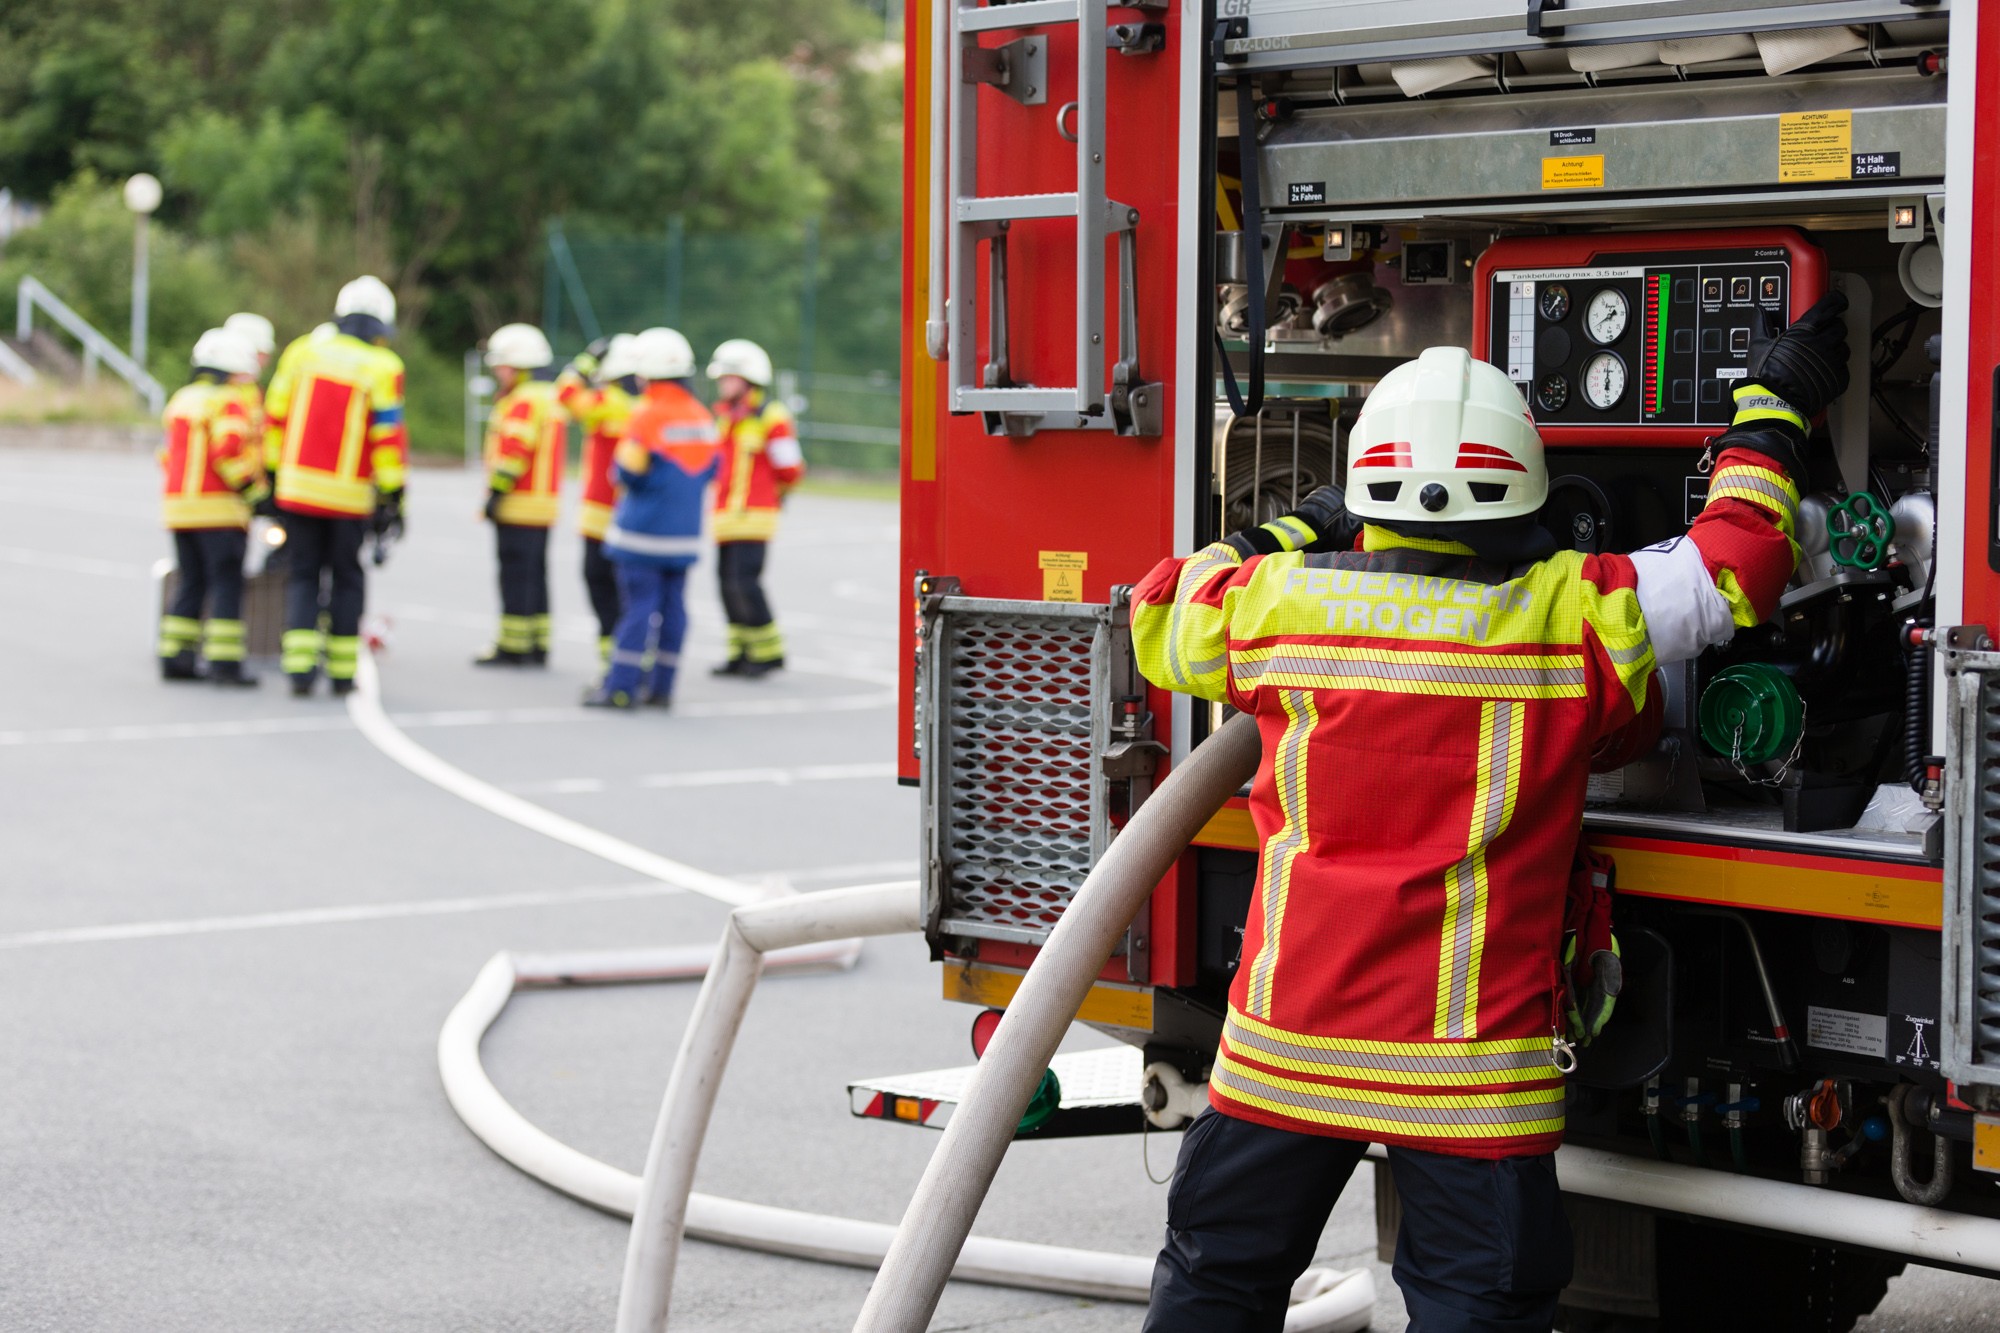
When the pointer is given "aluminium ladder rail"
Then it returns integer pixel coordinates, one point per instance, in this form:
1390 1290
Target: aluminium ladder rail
1019 69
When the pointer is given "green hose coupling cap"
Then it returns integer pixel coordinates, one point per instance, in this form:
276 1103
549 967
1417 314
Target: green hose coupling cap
1751 713
1047 1098
1858 531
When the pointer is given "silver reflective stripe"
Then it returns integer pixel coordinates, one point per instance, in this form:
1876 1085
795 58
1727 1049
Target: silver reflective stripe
1289 773
1464 877
1547 1105
1627 656
1193 573
1338 671
643 543
1732 480
1512 1065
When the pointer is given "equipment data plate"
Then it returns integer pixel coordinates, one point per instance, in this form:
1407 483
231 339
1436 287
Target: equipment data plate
1648 340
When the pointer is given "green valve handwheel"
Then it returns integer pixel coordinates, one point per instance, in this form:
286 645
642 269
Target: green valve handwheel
1751 713
1047 1098
1858 530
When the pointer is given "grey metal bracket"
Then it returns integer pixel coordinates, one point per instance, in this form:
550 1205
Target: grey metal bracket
1136 39
1019 69
1537 8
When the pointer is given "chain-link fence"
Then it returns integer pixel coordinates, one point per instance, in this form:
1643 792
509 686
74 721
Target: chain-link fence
821 301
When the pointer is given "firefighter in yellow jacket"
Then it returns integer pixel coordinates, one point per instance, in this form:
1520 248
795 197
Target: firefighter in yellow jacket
600 394
212 480
526 438
761 462
337 450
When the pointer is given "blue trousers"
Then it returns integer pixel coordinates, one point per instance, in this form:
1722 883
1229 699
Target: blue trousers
1484 1245
653 621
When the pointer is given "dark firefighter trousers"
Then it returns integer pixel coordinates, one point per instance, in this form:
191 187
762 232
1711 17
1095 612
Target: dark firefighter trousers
325 563
752 634
209 562
524 586
1484 1246
600 578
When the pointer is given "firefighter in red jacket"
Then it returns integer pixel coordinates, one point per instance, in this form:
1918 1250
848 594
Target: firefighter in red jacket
761 461
1401 981
212 480
599 395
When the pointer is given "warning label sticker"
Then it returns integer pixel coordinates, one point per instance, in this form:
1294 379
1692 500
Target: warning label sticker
1816 146
1845 1030
1062 575
1584 172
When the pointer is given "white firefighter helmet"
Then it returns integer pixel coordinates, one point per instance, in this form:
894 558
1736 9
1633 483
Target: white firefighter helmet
617 361
225 350
520 346
744 359
367 295
662 354
256 328
1445 438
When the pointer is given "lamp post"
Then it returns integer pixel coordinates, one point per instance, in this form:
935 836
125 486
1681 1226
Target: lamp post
142 196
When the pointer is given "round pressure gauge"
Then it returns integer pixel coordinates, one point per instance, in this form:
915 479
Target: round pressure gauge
1552 394
1604 318
1554 301
1603 381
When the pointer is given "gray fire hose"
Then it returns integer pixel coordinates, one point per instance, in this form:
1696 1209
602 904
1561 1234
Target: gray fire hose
940 1216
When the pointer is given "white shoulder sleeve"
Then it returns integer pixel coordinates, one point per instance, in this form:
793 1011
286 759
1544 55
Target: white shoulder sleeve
784 451
1684 610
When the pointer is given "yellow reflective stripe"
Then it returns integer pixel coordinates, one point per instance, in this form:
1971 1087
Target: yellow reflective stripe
1282 850
529 510
1741 609
1765 487
324 491
593 518
1381 539
1463 939
177 632
214 510
746 525
1461 1115
1292 533
299 651
1182 646
1620 626
1754 402
517 633
1396 671
1453 1064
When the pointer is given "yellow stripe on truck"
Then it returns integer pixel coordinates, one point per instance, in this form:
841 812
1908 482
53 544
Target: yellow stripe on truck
1109 1003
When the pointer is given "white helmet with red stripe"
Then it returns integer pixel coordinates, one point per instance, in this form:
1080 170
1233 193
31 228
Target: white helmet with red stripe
1445 438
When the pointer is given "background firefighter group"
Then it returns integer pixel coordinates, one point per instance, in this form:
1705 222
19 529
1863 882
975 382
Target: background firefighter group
323 451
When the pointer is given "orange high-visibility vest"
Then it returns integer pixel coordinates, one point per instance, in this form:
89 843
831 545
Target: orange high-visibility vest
334 434
209 457
525 441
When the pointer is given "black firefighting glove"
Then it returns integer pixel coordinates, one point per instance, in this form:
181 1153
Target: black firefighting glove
265 505
1320 523
493 499
1792 380
387 520
1593 989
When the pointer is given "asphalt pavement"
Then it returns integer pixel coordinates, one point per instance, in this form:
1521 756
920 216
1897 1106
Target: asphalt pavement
230 928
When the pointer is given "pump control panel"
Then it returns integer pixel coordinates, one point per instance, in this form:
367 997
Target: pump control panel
1638 338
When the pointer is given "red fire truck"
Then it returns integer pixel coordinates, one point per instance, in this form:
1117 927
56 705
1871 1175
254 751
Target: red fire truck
1155 256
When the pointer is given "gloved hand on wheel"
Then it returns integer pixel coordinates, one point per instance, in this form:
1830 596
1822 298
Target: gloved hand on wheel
1320 523
1807 364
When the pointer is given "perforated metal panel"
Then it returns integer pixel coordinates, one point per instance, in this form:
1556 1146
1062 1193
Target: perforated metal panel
1015 712
1971 1003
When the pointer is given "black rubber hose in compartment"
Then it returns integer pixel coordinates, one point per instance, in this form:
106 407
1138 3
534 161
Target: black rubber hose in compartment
1916 705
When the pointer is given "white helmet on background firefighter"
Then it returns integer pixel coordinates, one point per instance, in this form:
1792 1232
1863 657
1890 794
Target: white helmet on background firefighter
1445 438
263 338
662 354
225 350
370 296
519 347
744 359
618 360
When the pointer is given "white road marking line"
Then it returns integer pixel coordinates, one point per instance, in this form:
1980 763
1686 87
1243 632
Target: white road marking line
464 717
326 916
714 777
74 564
336 916
365 707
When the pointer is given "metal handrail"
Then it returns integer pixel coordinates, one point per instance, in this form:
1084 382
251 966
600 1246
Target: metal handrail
96 347
16 368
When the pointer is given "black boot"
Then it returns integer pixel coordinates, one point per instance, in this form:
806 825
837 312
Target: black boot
500 657
302 684
341 686
181 666
607 698
758 670
536 657
733 667
230 673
